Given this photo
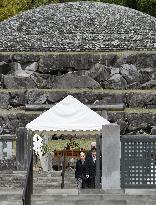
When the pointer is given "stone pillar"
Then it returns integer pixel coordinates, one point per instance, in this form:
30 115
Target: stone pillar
29 142
21 148
9 149
111 153
104 114
98 159
47 158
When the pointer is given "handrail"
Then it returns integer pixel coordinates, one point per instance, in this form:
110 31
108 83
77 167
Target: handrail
28 188
63 169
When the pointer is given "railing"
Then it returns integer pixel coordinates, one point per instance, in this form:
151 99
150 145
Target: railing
138 161
28 189
63 169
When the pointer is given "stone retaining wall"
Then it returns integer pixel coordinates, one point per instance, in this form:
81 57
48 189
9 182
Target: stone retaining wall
131 98
78 70
93 78
134 122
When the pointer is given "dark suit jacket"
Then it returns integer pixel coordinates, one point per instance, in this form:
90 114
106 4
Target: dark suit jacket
91 167
81 170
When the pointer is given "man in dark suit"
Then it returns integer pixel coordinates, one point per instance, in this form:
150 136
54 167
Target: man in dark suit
81 173
91 168
89 153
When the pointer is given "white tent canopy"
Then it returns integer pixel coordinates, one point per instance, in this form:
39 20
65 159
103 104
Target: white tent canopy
68 115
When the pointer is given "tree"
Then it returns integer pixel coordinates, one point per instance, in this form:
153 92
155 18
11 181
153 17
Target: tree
36 3
10 8
147 6
131 4
119 2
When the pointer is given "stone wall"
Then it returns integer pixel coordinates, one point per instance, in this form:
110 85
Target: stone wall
133 121
93 78
139 115
131 98
78 70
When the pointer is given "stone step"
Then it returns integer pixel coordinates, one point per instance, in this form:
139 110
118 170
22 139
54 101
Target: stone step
10 172
11 189
54 185
46 191
119 194
12 180
53 174
47 174
52 179
95 202
71 191
93 199
80 202
12 177
77 196
12 183
16 202
10 196
12 186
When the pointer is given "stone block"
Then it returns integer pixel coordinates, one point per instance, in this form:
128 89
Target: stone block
102 202
11 81
4 99
17 98
69 81
36 97
111 153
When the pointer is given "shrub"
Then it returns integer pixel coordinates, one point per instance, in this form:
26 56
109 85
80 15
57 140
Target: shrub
147 6
131 3
36 3
10 8
119 2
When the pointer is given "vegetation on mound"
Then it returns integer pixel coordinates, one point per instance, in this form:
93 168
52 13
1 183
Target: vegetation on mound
10 8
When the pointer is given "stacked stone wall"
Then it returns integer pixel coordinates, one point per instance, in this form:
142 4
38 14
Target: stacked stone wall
78 70
93 78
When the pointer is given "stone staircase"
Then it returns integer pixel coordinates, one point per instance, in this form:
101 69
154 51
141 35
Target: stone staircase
52 180
47 191
11 187
91 197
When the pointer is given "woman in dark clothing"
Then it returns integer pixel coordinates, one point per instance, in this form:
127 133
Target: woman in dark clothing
81 173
